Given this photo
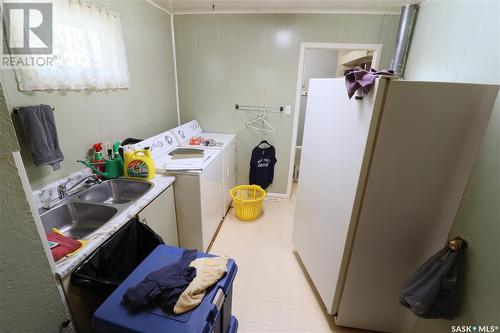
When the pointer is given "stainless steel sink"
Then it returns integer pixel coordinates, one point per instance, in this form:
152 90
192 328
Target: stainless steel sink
77 219
116 191
80 215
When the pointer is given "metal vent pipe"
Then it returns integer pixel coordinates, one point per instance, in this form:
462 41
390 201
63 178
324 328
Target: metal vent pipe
403 39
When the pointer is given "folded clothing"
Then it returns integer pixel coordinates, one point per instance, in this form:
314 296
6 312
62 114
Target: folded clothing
65 245
162 286
40 133
208 272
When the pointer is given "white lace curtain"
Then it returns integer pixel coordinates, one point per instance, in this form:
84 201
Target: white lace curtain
89 50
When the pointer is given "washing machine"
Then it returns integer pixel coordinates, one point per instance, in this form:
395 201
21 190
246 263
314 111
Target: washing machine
228 147
197 190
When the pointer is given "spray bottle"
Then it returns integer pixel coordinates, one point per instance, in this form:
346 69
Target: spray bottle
98 160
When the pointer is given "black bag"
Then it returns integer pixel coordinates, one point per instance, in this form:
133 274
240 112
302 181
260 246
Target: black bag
433 290
112 262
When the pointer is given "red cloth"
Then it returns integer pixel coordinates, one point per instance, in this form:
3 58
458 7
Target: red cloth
66 245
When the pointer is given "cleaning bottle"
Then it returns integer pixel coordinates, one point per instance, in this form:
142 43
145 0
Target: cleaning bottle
139 164
128 150
98 160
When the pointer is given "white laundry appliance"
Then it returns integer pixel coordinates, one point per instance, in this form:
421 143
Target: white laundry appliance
381 181
197 190
226 143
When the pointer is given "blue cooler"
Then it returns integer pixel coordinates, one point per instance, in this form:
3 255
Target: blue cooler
213 315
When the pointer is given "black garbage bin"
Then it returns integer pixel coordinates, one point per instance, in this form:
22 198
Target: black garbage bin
112 262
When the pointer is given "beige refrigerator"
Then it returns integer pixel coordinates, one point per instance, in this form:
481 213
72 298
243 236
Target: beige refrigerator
381 180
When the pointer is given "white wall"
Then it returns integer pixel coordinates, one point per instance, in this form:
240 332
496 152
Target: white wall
318 63
459 41
456 41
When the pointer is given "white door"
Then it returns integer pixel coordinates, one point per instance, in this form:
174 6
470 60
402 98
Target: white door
159 215
335 135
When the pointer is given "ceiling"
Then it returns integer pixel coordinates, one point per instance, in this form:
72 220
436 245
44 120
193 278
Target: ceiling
283 6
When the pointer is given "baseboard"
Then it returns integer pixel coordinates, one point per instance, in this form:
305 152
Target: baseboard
277 195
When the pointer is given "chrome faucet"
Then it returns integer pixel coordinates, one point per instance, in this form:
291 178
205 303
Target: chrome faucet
63 191
88 181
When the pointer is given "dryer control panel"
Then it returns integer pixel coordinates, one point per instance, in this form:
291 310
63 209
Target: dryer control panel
184 132
160 144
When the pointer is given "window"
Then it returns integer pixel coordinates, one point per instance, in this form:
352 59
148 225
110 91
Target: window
88 51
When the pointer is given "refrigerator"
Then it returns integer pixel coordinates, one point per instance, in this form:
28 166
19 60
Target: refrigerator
381 181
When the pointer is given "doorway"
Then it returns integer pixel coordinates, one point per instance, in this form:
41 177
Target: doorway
322 60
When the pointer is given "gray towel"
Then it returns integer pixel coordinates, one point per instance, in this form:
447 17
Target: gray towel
40 133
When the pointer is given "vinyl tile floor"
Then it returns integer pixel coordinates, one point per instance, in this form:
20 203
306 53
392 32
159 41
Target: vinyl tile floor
271 292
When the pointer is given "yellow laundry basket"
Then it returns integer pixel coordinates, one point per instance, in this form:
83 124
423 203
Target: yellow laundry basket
247 200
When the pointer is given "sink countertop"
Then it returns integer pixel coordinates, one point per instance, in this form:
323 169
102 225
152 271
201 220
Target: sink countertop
66 265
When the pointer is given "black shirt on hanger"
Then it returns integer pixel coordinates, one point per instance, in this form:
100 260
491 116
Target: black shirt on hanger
262 165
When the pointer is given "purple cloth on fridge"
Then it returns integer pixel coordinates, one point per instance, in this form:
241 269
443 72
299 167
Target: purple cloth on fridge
360 78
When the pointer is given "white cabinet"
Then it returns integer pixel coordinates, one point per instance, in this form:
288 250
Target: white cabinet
198 199
160 216
227 147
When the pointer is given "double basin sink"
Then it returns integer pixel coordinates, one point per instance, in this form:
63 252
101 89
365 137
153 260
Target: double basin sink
81 214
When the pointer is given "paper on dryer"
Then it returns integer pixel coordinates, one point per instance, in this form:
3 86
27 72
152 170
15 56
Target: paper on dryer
166 162
185 153
184 164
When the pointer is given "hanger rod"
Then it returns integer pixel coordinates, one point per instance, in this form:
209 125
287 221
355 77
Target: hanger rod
18 107
259 108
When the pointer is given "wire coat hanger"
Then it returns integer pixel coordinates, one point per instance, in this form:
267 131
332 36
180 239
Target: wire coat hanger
264 142
260 123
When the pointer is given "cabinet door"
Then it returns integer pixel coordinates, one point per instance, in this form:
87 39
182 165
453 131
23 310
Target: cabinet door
229 174
211 200
159 215
230 162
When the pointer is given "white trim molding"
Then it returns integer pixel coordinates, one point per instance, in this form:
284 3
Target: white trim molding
158 6
353 12
277 195
174 57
